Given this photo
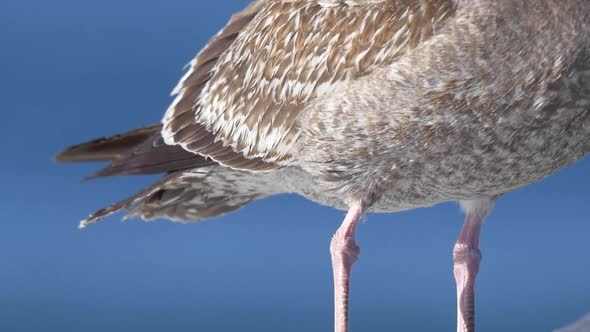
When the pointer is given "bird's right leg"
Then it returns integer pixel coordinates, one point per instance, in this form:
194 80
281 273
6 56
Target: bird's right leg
344 253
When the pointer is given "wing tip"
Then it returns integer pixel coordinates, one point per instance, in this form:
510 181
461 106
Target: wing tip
106 148
67 155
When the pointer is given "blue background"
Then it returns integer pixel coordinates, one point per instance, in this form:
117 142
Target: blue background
73 70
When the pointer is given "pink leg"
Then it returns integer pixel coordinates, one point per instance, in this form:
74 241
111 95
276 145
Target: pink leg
344 253
466 258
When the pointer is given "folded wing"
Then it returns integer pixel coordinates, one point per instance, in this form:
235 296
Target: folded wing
239 102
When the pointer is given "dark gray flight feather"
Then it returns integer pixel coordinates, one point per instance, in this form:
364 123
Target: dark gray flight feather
106 148
140 151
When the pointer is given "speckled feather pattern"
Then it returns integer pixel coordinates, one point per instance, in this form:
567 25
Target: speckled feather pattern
291 53
178 122
442 102
497 100
207 192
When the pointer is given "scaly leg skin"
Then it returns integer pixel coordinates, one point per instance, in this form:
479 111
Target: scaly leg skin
466 259
344 253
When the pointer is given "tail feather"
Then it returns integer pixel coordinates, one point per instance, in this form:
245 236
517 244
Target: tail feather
195 188
129 202
207 192
195 195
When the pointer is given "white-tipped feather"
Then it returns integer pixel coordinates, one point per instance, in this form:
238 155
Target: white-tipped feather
291 53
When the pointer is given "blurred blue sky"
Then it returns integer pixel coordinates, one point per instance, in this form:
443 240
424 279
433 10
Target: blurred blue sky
73 70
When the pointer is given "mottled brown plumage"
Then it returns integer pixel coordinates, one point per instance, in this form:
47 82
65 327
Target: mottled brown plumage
291 53
449 100
369 105
190 88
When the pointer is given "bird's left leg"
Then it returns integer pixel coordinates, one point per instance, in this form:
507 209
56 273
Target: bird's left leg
466 258
344 253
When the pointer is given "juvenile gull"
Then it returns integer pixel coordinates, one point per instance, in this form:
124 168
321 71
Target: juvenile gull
367 106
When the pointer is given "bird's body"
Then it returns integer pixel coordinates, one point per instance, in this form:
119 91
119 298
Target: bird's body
518 116
369 106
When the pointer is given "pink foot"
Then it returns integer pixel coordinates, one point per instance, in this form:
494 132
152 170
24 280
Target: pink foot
344 253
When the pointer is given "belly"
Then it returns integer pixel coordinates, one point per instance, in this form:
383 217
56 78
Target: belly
464 164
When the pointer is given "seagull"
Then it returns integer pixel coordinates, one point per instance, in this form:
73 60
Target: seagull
367 106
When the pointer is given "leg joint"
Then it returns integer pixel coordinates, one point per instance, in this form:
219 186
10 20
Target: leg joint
465 254
344 248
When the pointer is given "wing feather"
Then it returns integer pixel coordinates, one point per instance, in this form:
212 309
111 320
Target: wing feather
191 86
276 57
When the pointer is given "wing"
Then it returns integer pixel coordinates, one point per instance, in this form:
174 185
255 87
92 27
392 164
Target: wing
152 156
287 53
106 148
190 87
140 151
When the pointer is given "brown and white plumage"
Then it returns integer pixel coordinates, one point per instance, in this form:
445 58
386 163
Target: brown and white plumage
368 105
290 53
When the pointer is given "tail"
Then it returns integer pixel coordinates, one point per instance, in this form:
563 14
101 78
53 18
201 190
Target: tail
195 195
194 189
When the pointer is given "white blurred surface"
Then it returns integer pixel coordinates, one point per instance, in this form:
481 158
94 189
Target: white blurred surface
581 325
